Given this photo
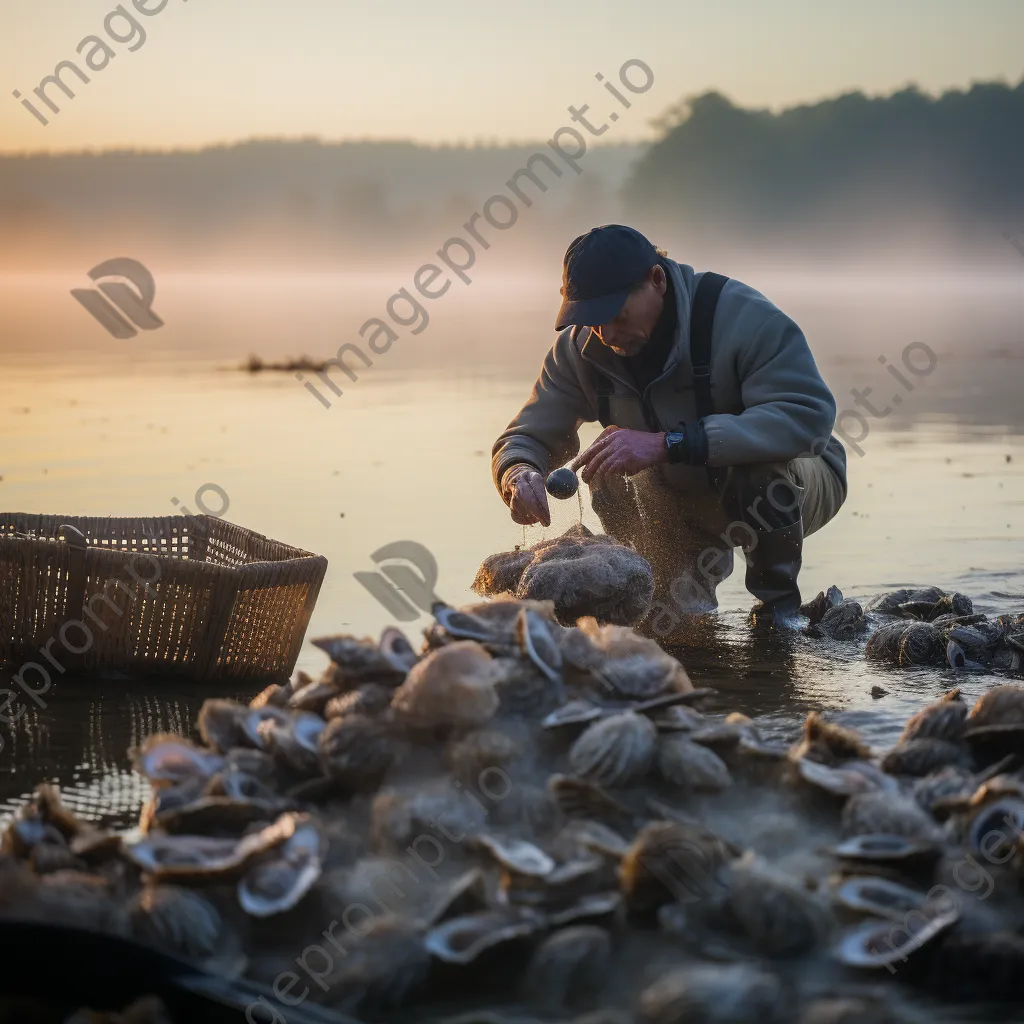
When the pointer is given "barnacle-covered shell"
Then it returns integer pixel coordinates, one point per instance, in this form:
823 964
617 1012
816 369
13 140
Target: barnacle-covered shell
453 687
829 743
670 860
615 751
844 621
589 576
943 720
168 760
891 813
818 605
713 994
277 881
778 916
691 765
925 755
569 967
357 751
888 604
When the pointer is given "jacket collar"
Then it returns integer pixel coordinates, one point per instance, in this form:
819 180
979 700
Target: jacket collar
592 351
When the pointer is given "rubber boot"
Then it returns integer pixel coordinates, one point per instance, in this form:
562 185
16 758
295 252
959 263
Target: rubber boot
773 564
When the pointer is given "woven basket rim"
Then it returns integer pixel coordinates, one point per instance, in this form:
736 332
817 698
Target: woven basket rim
296 554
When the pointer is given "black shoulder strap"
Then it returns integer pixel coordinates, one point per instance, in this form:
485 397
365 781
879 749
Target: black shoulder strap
702 322
604 388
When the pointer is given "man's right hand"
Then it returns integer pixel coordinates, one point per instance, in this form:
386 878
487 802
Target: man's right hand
524 493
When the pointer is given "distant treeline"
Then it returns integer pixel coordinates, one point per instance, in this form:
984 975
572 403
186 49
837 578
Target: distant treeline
904 158
301 199
718 176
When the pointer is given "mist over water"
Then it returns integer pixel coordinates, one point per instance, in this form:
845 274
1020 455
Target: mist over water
93 425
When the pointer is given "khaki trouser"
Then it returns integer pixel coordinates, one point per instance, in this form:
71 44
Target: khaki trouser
688 534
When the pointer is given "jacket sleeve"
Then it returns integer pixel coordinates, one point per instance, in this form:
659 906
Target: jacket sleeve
788 409
544 433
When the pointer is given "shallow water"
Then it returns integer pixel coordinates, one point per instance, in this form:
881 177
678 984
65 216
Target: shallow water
95 426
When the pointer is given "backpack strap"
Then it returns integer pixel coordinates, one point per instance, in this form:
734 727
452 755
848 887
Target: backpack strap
702 322
602 385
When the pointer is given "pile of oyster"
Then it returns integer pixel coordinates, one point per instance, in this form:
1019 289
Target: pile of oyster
529 821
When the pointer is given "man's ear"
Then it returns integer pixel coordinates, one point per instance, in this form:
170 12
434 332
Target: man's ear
658 278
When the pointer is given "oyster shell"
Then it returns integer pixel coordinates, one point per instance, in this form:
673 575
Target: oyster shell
874 945
853 777
569 967
312 697
452 687
575 712
890 813
469 757
200 858
215 816
357 752
221 723
878 897
358 660
829 743
168 760
581 798
369 699
276 695
817 606
922 756
523 689
517 855
631 665
943 720
279 880
882 848
397 651
293 743
670 860
690 765
462 940
536 639
844 621
615 751
177 919
778 916
713 994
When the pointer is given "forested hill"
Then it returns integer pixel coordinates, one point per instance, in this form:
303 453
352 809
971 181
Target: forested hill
903 158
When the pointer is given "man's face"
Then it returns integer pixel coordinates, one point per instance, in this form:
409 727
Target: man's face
631 329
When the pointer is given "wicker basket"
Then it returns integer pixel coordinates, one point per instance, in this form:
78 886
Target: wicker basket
193 596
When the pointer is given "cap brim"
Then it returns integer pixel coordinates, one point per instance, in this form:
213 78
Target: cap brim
590 312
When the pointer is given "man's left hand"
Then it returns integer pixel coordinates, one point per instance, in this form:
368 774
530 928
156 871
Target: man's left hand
620 452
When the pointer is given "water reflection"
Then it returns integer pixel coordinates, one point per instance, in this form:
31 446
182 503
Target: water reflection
81 739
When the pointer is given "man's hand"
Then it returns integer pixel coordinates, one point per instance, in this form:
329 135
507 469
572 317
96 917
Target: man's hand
620 452
523 491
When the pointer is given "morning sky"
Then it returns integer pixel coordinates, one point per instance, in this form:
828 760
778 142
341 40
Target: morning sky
214 71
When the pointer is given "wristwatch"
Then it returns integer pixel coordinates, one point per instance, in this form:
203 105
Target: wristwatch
675 445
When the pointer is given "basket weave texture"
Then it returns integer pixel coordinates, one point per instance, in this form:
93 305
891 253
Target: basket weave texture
187 595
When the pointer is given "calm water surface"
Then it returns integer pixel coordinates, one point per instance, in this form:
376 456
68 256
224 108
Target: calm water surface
94 426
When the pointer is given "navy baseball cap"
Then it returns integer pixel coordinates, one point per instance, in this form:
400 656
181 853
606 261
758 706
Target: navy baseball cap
598 271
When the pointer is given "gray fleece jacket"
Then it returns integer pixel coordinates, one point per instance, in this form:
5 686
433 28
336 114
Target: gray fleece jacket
770 402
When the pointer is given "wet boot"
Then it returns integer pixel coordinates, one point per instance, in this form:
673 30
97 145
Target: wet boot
773 565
